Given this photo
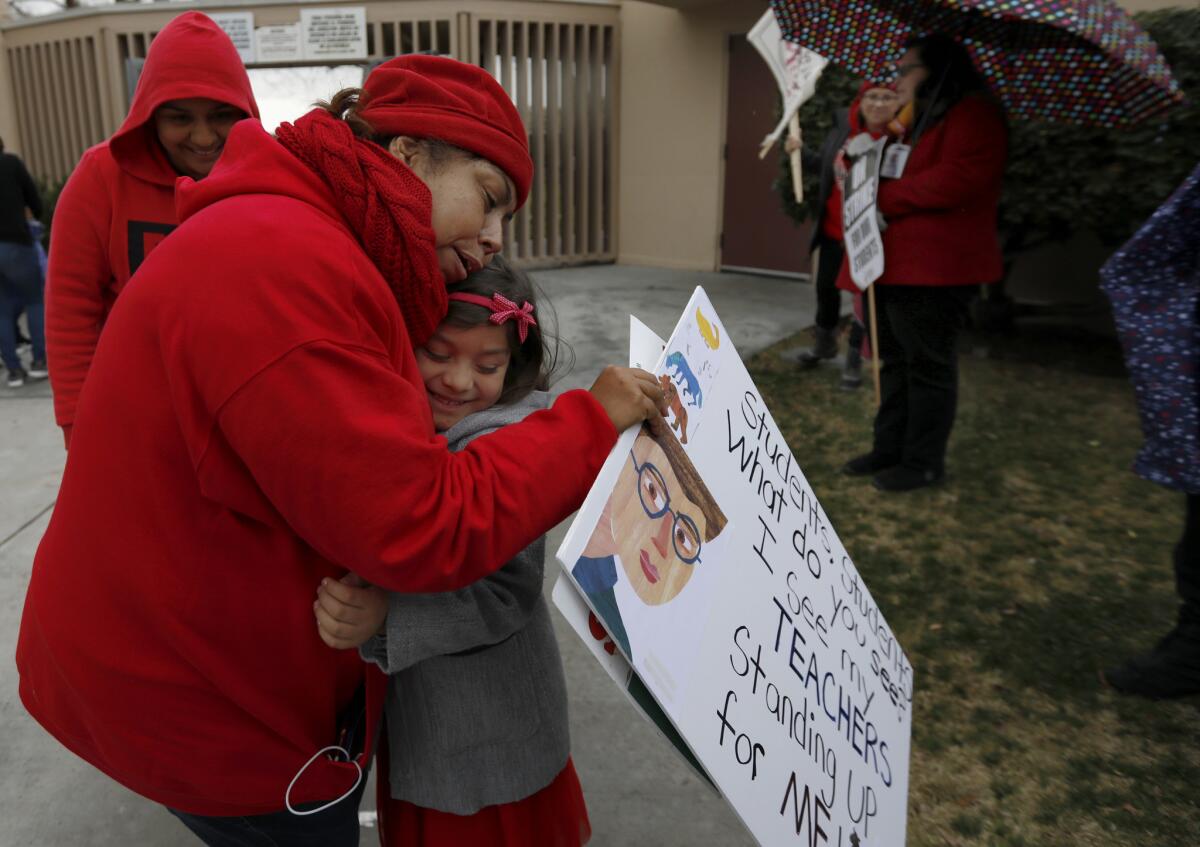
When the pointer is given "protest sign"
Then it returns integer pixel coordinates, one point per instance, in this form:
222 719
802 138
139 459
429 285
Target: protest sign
796 70
716 574
644 349
864 245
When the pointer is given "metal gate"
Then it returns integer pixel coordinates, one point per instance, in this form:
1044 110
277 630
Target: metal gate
70 86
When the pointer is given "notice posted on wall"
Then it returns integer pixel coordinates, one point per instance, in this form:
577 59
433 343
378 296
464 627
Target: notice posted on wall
864 244
281 43
239 26
707 564
334 33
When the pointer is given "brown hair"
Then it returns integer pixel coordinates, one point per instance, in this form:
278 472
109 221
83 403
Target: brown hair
534 360
689 478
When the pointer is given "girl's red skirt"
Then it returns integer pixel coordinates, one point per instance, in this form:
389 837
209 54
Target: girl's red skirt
556 816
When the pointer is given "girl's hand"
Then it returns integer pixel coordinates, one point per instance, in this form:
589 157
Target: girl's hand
349 611
629 396
791 145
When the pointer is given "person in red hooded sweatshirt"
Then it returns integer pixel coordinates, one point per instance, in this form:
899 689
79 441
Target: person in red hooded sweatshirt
120 200
940 244
255 421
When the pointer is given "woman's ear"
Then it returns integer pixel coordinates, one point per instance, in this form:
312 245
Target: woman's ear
406 149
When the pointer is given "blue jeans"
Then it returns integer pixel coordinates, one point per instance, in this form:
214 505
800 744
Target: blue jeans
20 289
336 826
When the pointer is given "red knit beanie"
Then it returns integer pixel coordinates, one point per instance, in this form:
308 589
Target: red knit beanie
461 104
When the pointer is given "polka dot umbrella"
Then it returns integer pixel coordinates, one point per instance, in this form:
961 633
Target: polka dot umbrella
1070 61
1154 284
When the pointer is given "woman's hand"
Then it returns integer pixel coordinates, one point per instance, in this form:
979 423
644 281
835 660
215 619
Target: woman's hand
791 145
349 611
629 396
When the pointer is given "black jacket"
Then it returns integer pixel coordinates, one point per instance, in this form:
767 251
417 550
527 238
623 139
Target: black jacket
16 192
824 160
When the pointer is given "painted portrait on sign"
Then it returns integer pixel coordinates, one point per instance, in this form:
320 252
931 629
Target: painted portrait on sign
652 535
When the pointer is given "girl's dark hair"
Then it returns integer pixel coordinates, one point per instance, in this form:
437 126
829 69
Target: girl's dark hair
533 361
344 106
952 75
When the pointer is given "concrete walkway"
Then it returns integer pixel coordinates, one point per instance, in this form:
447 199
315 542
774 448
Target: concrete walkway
638 793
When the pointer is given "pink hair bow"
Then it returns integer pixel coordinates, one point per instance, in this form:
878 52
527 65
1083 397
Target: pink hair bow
503 310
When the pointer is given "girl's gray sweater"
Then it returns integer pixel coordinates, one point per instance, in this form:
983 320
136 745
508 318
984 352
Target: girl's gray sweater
477 701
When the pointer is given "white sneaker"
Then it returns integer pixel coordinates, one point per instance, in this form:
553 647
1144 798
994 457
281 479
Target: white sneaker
37 370
16 378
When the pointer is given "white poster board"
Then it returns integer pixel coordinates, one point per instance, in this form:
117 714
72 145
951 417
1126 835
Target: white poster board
864 244
239 26
281 43
716 573
334 33
796 69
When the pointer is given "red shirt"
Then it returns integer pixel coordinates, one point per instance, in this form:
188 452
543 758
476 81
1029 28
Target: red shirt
253 421
120 200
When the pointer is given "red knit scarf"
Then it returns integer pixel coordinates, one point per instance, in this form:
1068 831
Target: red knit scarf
387 206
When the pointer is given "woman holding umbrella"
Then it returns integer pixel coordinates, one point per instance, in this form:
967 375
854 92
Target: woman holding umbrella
940 244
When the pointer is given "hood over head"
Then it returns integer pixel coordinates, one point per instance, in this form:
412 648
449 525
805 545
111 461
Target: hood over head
190 57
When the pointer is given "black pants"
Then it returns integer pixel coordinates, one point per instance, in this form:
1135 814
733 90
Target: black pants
829 299
918 328
1187 560
336 826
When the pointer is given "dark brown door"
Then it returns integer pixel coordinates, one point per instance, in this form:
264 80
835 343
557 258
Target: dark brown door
756 233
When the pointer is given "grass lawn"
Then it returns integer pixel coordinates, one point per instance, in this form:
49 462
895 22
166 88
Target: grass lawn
1040 560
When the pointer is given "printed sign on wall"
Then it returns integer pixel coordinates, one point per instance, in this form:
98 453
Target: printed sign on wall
239 26
280 43
334 33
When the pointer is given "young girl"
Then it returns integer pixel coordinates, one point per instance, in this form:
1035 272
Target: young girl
476 706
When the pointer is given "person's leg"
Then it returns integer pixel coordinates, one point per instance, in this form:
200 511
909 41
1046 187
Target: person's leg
8 335
1172 668
1187 559
852 368
829 304
927 321
35 315
829 299
336 826
891 419
23 271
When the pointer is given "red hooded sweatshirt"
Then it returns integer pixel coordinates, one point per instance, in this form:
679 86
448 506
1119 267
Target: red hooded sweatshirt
120 200
254 421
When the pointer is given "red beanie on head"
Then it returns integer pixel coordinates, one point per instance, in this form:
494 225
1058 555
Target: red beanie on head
461 104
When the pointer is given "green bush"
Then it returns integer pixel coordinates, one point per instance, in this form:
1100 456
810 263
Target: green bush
1062 179
49 192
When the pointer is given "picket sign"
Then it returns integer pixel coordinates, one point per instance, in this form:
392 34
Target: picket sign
796 70
721 600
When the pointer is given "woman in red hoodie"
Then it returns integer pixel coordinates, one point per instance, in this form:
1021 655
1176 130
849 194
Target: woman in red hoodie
255 421
939 246
120 200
